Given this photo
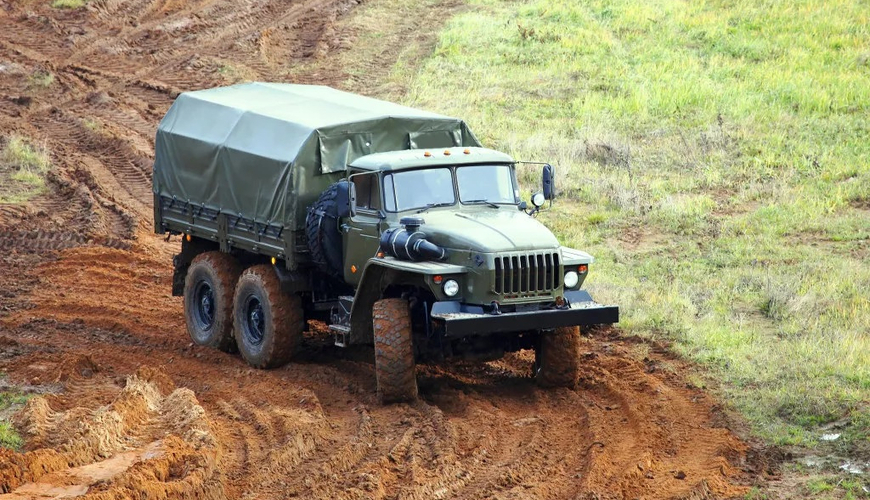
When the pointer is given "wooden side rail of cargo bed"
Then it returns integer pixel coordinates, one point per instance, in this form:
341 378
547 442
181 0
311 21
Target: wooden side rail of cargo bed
230 231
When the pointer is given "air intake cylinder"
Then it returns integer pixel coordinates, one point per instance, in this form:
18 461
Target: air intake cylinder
409 243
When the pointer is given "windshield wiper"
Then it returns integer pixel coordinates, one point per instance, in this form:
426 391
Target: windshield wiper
482 200
435 205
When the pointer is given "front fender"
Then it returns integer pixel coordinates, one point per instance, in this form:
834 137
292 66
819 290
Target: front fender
574 257
426 268
378 275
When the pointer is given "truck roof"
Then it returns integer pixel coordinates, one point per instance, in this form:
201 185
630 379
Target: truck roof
414 158
311 106
265 151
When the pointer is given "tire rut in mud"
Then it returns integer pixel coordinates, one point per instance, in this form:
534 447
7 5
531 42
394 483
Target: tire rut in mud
115 67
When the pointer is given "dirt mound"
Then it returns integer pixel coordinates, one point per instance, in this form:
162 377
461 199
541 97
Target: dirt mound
146 441
76 366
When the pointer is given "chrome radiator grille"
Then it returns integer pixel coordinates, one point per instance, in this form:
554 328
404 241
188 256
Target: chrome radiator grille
529 273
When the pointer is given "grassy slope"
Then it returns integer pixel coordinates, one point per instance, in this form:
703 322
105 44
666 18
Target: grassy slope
714 157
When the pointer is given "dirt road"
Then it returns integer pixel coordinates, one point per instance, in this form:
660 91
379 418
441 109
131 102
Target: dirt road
132 407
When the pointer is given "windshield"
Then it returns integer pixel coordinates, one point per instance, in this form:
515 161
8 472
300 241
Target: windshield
492 183
433 187
419 189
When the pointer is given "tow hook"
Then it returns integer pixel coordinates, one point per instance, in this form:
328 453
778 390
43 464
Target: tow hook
495 310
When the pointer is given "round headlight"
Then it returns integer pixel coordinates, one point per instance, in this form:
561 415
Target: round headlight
571 279
538 200
451 288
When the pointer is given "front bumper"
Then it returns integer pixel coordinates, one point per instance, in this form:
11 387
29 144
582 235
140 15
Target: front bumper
461 320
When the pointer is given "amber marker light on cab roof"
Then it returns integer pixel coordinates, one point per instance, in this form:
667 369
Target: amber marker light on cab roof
446 152
467 151
427 154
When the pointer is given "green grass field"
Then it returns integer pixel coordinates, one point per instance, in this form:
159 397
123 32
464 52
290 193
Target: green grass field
715 158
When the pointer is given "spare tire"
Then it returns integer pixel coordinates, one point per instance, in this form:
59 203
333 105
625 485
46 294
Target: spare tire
323 233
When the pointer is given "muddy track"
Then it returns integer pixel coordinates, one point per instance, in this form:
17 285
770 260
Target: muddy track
117 65
133 407
314 428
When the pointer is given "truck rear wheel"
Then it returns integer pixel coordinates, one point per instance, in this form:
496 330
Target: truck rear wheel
557 358
208 299
268 322
394 352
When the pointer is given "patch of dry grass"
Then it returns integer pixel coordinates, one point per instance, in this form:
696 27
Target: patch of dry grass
23 166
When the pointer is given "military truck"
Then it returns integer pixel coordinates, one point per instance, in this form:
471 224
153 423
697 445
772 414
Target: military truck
391 225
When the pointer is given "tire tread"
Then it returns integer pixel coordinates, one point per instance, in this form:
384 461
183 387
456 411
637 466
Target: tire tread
283 337
394 352
559 358
224 270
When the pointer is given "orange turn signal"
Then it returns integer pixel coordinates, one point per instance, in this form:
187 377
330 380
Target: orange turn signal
560 301
353 269
582 268
187 237
380 255
438 279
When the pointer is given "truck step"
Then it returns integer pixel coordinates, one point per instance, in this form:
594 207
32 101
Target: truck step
342 334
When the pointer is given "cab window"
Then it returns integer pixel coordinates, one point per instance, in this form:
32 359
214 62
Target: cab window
368 195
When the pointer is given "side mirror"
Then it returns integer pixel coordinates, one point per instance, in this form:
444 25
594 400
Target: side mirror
346 199
549 182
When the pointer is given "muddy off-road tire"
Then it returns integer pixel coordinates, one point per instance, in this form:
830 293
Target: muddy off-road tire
557 358
394 351
208 300
321 229
268 322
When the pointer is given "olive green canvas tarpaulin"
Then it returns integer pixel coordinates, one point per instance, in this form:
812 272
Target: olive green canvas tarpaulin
265 151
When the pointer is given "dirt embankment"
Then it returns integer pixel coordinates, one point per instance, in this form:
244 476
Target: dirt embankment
86 314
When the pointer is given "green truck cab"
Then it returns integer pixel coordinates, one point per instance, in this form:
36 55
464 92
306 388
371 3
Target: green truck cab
391 225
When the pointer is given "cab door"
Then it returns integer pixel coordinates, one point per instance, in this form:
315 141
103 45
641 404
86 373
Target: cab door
363 230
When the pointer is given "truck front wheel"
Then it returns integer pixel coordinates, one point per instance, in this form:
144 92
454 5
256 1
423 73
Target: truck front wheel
394 352
557 358
208 299
268 322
